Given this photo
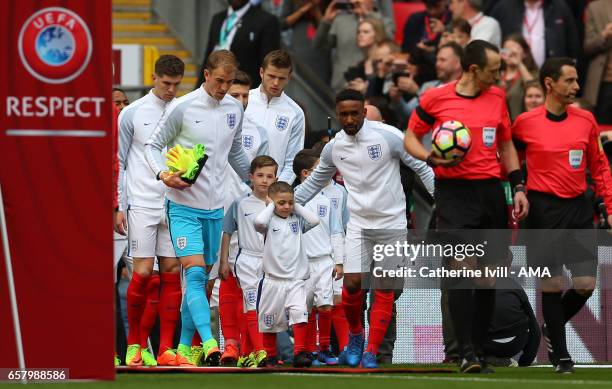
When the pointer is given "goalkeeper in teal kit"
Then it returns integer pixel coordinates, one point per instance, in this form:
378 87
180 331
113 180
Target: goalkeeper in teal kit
205 117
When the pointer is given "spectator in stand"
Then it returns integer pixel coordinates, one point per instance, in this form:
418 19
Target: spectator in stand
370 35
598 46
547 25
425 28
247 31
299 20
337 31
460 32
383 54
519 69
483 27
448 68
534 95
120 99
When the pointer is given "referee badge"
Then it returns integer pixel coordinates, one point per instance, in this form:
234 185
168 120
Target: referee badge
488 136
231 120
247 142
575 158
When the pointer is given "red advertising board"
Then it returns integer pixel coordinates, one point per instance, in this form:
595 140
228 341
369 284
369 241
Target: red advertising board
56 184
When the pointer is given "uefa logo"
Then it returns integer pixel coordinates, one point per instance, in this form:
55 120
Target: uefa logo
55 45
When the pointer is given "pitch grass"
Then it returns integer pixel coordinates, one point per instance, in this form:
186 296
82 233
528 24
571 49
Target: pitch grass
503 378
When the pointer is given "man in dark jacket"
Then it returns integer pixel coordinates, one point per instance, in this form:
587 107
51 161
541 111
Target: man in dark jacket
247 31
547 25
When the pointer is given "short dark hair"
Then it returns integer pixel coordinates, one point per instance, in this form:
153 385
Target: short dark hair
350 95
461 25
475 53
169 65
119 90
241 78
221 58
552 68
278 58
263 161
304 160
280 187
456 47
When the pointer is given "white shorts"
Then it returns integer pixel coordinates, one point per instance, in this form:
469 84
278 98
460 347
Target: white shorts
214 297
337 284
148 233
233 251
119 250
248 272
319 287
281 303
359 249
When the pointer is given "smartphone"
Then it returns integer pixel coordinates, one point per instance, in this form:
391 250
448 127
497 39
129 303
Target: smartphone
344 5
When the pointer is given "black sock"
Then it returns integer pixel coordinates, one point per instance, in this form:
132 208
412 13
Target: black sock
460 304
552 310
572 303
484 303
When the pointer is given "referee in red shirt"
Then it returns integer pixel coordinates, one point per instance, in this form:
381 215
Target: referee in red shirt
561 143
468 192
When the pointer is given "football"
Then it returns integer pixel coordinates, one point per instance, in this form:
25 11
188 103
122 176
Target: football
451 139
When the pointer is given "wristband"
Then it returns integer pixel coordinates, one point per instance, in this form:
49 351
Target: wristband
515 178
518 188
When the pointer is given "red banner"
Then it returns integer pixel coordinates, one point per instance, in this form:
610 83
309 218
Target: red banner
55 176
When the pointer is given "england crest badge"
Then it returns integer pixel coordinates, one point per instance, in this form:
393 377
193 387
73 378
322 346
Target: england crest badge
247 142
374 152
294 227
334 203
282 122
269 320
322 210
231 120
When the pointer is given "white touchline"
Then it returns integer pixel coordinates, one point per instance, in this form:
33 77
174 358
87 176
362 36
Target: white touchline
58 133
11 285
420 377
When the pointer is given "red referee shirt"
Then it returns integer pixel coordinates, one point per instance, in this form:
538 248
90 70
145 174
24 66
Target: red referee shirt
559 149
486 116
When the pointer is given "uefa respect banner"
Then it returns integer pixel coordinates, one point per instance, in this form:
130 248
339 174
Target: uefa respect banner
56 182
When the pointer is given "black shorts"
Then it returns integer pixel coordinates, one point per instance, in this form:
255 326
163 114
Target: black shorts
561 232
470 204
475 212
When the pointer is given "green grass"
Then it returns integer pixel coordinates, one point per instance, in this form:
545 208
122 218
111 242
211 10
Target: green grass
510 378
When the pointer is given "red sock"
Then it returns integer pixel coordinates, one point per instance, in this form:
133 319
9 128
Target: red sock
227 311
269 344
299 337
324 329
380 315
147 321
340 326
196 340
136 302
246 347
253 331
169 309
311 332
352 303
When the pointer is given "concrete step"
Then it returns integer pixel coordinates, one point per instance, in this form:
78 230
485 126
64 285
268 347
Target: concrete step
140 40
140 28
136 16
182 54
133 3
